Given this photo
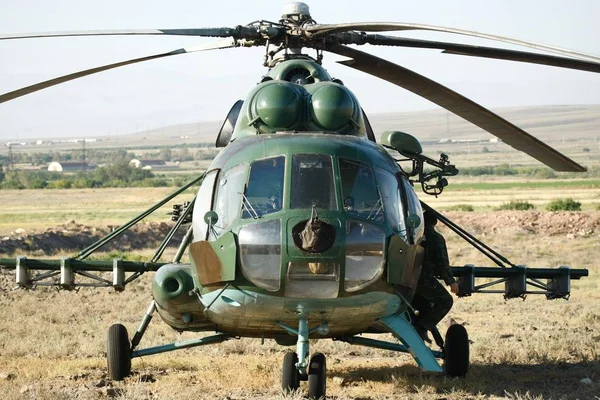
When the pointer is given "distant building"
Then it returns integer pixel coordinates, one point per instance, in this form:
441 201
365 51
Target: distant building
147 164
56 166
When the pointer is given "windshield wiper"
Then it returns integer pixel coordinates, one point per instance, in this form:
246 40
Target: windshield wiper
375 209
248 207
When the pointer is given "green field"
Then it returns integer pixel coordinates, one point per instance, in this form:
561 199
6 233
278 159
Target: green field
554 184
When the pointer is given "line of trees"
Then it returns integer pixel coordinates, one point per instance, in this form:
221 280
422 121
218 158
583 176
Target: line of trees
119 174
107 156
96 156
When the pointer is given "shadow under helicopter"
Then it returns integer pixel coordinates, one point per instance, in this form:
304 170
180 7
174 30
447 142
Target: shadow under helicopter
560 380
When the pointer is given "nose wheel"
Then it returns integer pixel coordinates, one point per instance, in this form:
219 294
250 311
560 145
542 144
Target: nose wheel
317 375
317 372
290 377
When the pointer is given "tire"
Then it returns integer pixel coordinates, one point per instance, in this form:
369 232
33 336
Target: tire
456 351
290 379
317 372
118 353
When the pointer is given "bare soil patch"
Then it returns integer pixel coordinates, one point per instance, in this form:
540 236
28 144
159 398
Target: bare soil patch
72 236
575 223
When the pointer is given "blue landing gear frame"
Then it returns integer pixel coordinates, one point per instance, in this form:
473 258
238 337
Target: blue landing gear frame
412 343
185 344
180 345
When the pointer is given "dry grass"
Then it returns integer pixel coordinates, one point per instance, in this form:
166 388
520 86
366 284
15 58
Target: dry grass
39 209
488 199
54 348
52 344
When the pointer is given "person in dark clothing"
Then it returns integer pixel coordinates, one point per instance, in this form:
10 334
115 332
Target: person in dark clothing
434 299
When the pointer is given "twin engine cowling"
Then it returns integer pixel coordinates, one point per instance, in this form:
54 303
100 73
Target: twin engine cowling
299 95
323 106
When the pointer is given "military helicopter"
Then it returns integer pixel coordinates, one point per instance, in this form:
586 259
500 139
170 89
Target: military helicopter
304 226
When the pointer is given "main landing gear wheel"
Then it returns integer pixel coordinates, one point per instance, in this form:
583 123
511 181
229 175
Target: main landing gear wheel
456 351
317 372
290 379
118 353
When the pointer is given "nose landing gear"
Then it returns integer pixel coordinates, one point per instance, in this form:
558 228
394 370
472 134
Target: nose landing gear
295 365
317 375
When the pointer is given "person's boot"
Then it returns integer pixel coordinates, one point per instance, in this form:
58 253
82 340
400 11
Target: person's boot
423 333
437 337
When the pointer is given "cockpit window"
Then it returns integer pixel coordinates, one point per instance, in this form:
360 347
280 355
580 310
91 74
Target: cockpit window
392 201
264 191
229 194
312 182
359 191
414 208
203 204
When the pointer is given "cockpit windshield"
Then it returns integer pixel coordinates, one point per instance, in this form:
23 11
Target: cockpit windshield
359 191
312 182
264 191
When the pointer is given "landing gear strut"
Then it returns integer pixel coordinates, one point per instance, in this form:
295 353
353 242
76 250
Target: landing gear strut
120 351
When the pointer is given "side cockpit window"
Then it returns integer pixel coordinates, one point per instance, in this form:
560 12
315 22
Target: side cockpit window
203 204
359 191
264 190
389 188
414 208
312 182
229 188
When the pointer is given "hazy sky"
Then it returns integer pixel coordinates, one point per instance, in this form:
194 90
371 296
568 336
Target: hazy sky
203 86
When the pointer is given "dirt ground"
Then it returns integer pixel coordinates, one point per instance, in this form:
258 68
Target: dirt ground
72 236
548 223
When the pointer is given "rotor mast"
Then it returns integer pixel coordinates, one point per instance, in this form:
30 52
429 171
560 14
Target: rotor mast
296 17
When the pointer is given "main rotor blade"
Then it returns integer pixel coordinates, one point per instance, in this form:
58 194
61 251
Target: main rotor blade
402 26
237 33
458 104
485 52
223 44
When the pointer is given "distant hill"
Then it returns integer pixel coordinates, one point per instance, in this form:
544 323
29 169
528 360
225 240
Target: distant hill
548 123
544 122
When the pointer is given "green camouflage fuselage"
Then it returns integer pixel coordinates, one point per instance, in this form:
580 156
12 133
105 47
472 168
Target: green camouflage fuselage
299 152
